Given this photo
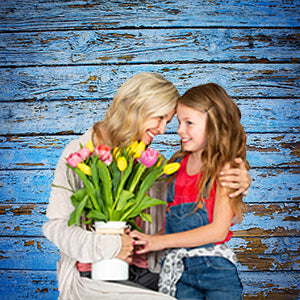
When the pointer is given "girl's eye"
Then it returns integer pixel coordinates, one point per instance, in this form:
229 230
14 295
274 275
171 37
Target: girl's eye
189 122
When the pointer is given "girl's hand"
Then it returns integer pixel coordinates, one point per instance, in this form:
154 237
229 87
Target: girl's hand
235 178
146 242
126 251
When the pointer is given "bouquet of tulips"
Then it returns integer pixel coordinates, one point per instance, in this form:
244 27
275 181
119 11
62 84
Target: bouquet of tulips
115 182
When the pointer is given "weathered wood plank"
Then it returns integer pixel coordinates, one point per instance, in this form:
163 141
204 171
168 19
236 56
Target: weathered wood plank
43 152
44 15
28 284
25 186
31 284
274 185
254 254
40 117
33 186
94 82
268 220
149 46
270 285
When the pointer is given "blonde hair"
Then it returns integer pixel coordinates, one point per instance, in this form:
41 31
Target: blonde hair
143 96
226 137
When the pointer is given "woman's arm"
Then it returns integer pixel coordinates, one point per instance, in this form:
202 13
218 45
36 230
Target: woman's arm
237 179
211 233
76 242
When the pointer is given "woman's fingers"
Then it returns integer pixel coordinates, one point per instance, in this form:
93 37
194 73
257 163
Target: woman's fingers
127 248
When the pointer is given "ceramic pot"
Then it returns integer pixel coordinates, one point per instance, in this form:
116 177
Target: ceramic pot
110 269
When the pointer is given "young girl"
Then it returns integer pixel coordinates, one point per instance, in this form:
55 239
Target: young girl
199 264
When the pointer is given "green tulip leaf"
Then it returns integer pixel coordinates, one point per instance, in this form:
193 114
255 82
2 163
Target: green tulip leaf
146 217
125 196
96 215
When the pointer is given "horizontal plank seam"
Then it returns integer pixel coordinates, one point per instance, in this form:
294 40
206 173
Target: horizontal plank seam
89 28
291 61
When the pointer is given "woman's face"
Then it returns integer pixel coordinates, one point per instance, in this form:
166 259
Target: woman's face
154 126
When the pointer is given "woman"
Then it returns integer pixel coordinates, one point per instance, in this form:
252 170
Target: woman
140 110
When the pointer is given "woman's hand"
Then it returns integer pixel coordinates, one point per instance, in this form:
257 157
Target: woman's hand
126 251
235 178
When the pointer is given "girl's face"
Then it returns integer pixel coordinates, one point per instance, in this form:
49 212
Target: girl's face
192 128
154 126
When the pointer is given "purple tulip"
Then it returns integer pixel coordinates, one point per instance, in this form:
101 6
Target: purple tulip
149 157
74 159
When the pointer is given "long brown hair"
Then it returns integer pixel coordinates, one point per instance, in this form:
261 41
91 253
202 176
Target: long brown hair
226 137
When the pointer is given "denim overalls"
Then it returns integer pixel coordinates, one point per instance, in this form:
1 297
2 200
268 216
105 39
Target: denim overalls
204 277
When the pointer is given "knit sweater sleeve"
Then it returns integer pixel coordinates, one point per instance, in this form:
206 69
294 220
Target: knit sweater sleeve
74 241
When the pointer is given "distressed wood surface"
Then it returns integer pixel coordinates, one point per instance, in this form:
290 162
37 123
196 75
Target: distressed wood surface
259 220
264 254
39 117
61 62
43 285
43 152
31 186
149 46
92 82
46 15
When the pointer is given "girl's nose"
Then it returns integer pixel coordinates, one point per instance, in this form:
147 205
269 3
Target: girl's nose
179 129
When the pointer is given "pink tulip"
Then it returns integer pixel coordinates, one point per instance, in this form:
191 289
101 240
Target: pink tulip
84 153
74 159
104 154
149 157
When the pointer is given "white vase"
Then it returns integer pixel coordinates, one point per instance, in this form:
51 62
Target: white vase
110 269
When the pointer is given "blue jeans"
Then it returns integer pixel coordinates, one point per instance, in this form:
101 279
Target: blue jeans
209 278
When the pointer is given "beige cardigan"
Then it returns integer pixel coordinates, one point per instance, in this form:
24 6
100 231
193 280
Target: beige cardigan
75 243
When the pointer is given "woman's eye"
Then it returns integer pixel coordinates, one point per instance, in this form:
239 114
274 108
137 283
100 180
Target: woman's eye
189 122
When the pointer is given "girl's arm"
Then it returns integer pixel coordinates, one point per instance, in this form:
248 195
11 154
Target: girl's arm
211 233
236 178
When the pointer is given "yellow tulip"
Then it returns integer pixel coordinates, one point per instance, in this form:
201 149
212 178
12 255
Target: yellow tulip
159 161
116 152
131 149
171 168
139 149
84 168
122 163
90 146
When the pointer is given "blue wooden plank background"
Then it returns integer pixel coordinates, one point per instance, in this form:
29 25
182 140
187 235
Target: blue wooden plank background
61 62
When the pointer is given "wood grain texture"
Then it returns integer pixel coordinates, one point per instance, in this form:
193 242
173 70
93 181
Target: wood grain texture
43 285
259 220
39 117
263 254
43 152
33 187
46 15
149 46
61 62
93 82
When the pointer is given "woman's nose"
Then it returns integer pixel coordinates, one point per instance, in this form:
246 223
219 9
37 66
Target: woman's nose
162 127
